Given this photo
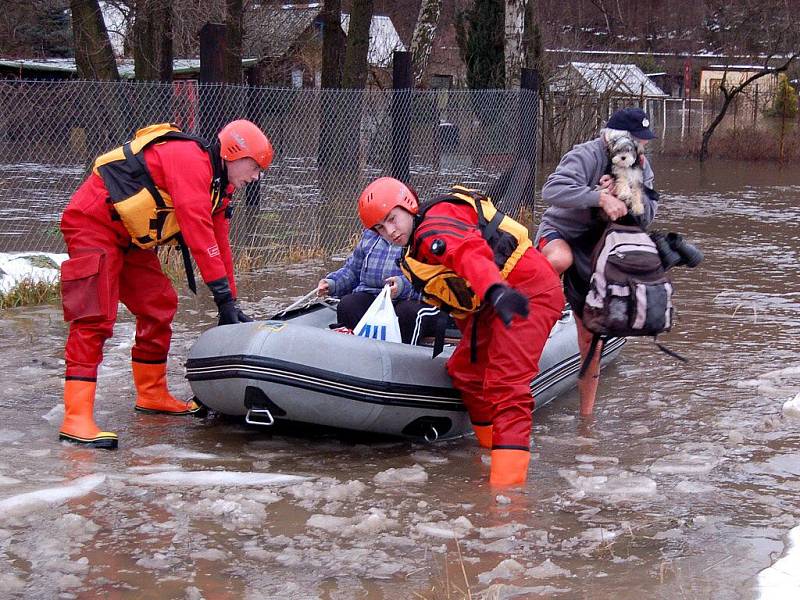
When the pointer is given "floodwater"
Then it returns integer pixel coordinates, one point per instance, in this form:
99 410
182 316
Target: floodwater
685 484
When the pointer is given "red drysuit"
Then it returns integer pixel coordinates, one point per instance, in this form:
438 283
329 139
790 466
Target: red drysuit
495 388
110 269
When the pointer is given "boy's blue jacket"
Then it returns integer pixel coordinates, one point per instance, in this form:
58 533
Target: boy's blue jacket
366 269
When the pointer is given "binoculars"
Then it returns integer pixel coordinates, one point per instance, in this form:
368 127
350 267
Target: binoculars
674 251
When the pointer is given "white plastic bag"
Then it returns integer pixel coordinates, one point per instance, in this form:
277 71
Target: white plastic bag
380 320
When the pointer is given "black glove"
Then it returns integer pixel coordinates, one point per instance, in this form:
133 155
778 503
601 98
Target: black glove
507 302
229 313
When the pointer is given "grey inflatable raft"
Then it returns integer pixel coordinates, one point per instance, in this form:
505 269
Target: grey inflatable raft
296 369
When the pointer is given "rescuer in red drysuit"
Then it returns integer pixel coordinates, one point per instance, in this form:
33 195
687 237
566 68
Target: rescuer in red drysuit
494 281
161 186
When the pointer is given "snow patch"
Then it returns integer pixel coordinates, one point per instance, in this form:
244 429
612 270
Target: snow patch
781 581
31 266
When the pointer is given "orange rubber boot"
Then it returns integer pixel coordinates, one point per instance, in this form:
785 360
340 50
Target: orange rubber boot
509 467
151 391
483 433
79 426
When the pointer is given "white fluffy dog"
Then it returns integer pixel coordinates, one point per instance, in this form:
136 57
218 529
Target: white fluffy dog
626 168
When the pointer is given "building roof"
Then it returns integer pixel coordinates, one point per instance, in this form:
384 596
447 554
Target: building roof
67 67
383 40
606 78
280 27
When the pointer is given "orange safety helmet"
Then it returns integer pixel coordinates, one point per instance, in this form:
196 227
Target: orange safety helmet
243 139
381 196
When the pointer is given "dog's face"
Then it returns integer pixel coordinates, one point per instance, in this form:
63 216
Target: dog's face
624 158
623 151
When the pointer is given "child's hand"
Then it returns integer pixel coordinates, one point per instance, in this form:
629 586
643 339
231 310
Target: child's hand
394 286
323 287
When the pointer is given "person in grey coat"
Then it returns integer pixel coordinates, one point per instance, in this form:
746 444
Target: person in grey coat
582 200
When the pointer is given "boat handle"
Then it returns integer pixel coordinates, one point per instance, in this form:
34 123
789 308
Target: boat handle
432 435
262 412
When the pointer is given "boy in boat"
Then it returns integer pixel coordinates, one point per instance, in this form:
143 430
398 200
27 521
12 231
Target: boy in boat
479 266
581 196
372 265
161 186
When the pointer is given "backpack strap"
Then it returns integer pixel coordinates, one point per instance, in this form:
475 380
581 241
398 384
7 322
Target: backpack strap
598 340
669 352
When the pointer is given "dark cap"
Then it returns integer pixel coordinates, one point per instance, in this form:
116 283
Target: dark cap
633 120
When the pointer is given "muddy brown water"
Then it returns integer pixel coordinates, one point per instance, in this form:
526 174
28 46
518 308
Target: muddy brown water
684 484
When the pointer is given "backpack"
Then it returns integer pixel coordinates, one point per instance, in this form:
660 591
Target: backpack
630 294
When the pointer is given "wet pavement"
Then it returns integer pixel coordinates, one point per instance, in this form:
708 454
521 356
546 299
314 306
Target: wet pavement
685 483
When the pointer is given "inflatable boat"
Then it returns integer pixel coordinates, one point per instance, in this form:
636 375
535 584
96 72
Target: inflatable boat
295 368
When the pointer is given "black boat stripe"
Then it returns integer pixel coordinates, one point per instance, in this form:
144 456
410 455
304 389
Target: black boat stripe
334 384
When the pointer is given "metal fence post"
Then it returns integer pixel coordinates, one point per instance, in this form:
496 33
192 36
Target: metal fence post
402 84
529 130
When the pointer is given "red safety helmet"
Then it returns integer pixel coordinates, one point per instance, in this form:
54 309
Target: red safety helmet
381 196
243 139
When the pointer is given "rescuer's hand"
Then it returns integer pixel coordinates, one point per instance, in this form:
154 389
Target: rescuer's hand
229 312
507 302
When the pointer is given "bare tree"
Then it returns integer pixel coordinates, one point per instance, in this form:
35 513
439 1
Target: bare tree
355 57
424 35
93 54
532 38
332 44
233 50
152 40
767 32
513 46
729 93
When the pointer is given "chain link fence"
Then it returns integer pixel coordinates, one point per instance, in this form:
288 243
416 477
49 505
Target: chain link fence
329 144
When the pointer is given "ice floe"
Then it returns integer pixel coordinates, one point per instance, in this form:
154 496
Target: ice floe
391 477
31 501
455 528
368 524
692 458
791 408
169 451
215 478
233 511
326 489
620 485
506 569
